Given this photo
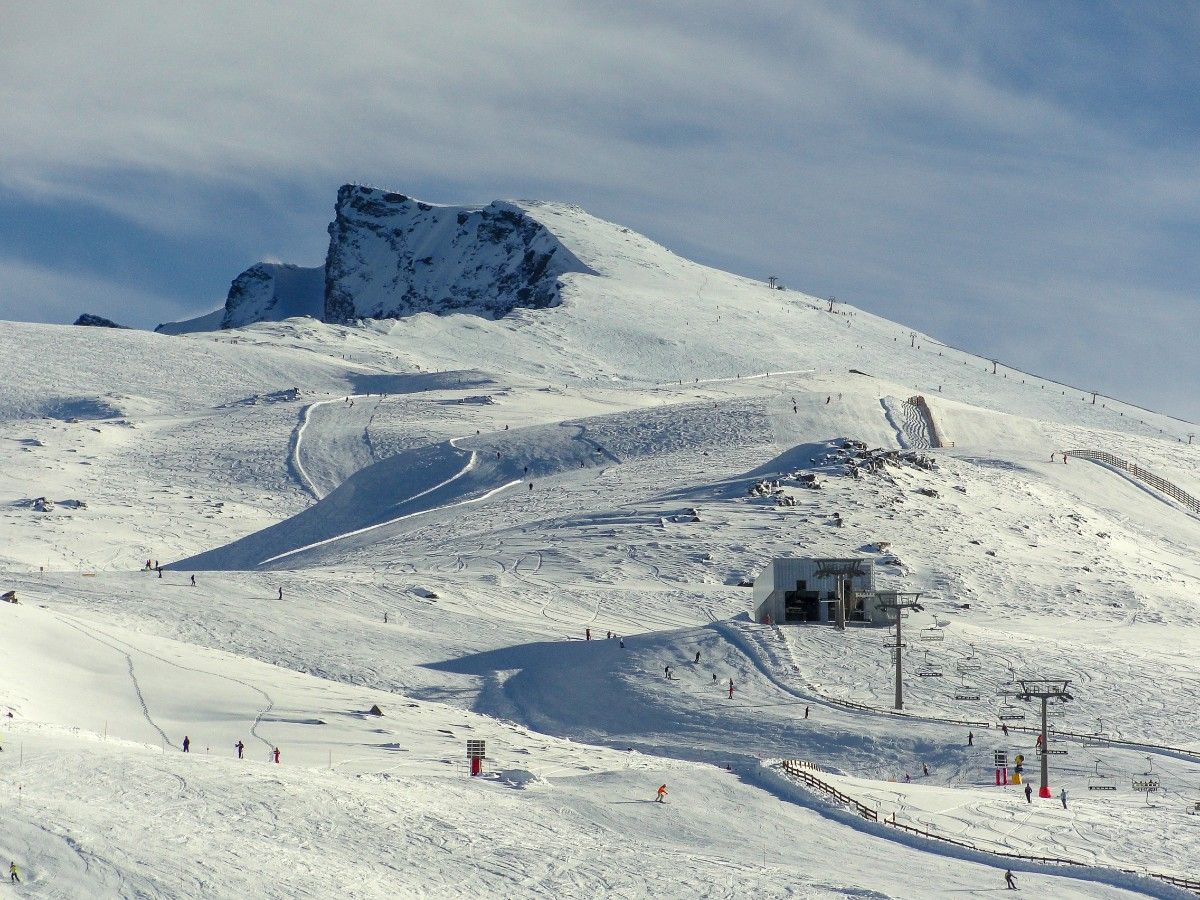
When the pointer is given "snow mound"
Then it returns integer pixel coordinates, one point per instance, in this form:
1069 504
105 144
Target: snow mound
516 778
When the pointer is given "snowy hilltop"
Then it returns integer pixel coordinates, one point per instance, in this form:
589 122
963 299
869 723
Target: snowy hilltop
513 474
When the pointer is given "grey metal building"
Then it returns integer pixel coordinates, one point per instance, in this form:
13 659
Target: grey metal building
794 590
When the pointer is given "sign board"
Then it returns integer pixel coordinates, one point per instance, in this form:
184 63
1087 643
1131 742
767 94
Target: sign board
476 750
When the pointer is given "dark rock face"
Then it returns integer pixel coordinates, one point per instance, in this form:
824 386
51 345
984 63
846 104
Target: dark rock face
96 321
390 256
271 292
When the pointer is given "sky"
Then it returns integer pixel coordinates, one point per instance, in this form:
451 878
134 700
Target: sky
1021 179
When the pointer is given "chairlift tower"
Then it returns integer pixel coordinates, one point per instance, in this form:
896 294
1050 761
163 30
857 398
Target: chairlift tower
842 570
897 603
1045 689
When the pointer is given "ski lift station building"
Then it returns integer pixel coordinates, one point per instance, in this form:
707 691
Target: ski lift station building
793 590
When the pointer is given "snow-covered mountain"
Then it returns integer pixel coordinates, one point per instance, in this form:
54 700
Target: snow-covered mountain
521 427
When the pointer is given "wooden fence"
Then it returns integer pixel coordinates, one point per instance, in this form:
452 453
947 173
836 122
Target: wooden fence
808 774
1157 482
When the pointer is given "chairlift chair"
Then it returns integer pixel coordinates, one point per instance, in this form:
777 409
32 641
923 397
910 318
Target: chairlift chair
965 691
1010 712
928 669
1100 782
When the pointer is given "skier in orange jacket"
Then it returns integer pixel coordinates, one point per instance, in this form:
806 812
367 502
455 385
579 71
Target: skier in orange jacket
662 792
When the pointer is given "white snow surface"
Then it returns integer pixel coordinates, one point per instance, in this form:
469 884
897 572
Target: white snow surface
384 468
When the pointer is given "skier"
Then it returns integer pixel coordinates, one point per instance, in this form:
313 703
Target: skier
1038 742
907 778
662 792
281 593
1062 795
667 670
240 747
730 688
159 570
276 754
385 618
970 739
697 657
531 485
187 744
12 873
827 399
587 634
925 769
1028 793
1009 881
193 581
621 641
1004 728
806 712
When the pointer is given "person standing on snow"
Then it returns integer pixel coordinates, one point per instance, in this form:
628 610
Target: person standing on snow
730 688
1009 881
806 712
662 792
13 877
275 754
187 744
240 747
970 739
697 657
280 593
1028 792
1062 795
587 634
193 581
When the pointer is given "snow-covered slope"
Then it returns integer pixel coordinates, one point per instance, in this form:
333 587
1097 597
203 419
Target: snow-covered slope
430 513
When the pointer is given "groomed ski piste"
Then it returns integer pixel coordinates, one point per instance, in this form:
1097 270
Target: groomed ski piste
496 488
